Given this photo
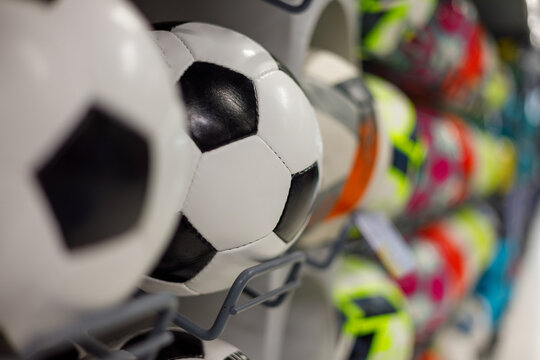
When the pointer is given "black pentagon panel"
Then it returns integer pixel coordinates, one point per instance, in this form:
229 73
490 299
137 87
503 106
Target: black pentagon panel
184 346
299 203
400 160
369 21
188 253
96 182
361 347
237 356
375 306
221 105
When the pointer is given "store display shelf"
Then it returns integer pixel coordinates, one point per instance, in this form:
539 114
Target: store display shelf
164 305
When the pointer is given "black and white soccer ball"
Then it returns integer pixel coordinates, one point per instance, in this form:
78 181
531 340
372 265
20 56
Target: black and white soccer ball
188 347
93 159
258 151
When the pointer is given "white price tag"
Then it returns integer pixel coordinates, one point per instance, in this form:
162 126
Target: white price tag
386 242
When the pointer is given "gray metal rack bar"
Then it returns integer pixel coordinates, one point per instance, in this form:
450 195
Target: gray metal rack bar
162 305
230 307
290 8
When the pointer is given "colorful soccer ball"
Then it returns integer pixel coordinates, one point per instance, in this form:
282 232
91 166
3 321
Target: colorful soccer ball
401 153
385 24
454 260
507 154
444 61
374 312
486 174
258 152
496 284
467 334
475 229
427 289
466 240
443 178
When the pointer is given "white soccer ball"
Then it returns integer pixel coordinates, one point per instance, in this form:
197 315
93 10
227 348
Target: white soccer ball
258 151
428 294
469 332
93 157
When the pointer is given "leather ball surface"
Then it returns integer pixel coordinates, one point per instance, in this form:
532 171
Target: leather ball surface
258 155
94 160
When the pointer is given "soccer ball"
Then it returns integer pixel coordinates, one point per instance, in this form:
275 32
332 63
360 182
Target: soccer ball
427 288
496 162
454 260
187 346
469 332
374 311
346 118
94 160
421 13
382 26
257 149
443 179
466 240
385 24
443 61
485 175
401 151
507 154
496 284
466 145
483 97
475 231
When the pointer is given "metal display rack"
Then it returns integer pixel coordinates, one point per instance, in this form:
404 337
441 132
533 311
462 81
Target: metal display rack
162 306
230 307
165 306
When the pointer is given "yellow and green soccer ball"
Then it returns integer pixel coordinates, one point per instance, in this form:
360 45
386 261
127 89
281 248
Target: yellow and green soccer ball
374 312
385 23
495 164
476 229
401 152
